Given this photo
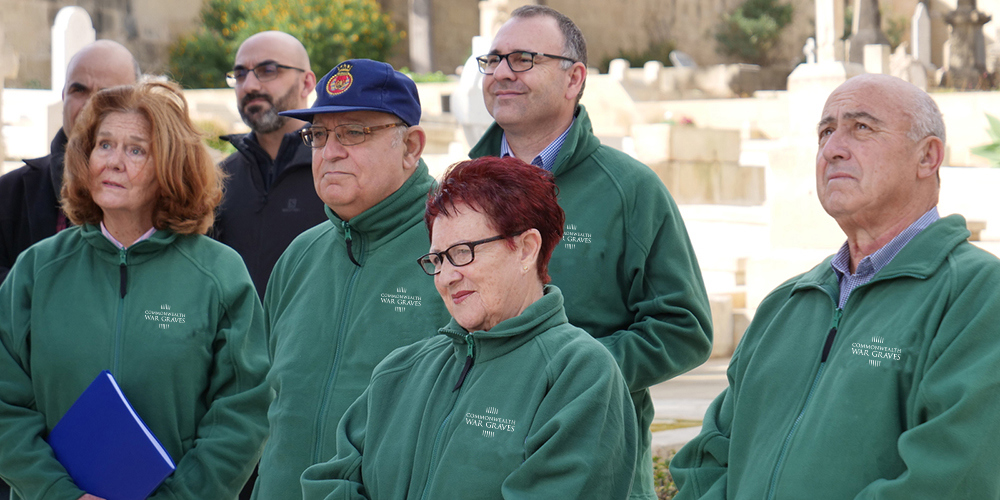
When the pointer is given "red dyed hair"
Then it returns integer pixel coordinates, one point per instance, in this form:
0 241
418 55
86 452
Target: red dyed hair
513 195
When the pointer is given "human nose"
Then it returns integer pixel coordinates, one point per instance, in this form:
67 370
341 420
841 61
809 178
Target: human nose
333 149
834 147
250 82
503 69
448 273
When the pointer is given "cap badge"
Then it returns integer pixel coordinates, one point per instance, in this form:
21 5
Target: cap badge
340 82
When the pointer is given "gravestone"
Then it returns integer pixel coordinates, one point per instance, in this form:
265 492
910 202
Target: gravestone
617 69
651 71
809 50
829 28
866 29
920 34
681 60
71 31
419 34
877 59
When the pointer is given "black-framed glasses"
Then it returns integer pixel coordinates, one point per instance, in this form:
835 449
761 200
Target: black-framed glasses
459 254
264 72
348 135
518 62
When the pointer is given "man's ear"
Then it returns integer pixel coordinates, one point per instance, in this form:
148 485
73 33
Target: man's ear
413 142
577 75
308 84
931 156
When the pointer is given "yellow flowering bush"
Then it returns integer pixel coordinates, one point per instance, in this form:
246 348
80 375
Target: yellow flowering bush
331 30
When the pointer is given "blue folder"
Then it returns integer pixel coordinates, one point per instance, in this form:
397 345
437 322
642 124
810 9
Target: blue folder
106 447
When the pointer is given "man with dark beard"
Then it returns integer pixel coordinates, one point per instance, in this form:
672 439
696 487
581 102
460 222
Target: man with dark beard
270 197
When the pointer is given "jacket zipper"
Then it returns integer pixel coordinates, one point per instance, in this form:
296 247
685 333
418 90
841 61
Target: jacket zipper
469 359
347 239
468 362
122 289
322 417
837 313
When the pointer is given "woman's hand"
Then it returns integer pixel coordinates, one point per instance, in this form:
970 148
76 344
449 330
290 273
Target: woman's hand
88 496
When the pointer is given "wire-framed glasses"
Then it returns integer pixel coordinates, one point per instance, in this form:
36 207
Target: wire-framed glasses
264 72
348 135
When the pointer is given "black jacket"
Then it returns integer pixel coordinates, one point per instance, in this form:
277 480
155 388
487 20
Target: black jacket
29 203
258 218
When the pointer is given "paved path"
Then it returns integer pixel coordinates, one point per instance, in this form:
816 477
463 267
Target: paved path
686 398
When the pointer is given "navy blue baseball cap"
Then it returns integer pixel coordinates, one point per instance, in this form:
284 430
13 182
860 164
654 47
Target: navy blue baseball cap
364 85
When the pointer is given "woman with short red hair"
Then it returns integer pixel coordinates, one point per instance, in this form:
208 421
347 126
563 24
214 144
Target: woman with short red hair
509 400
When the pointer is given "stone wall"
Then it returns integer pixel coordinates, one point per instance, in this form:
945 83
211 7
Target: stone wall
146 27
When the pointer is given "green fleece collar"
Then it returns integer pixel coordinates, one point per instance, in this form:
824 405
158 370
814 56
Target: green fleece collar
580 143
920 258
544 314
391 216
137 253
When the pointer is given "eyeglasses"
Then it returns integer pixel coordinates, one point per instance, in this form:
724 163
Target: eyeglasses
460 254
348 135
264 72
517 61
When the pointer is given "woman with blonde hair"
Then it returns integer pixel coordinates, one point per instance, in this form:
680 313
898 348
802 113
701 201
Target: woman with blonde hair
136 289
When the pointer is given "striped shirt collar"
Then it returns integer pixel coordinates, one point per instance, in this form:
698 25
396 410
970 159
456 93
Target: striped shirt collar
107 234
872 264
547 157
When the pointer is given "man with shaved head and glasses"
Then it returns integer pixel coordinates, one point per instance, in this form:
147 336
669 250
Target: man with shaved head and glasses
269 196
30 196
625 264
347 292
873 375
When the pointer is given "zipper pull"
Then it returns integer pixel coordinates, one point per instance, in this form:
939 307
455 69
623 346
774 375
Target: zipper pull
468 363
347 238
123 272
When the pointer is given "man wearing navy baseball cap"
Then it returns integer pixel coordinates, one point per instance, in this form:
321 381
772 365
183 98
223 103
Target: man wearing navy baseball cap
345 294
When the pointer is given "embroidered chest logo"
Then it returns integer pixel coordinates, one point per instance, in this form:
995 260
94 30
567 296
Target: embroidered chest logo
490 422
876 351
164 316
400 300
573 236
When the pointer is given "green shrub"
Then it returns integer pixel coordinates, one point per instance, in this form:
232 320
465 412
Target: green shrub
663 482
656 51
331 30
990 151
752 30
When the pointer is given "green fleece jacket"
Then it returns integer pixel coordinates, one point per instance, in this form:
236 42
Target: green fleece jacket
330 321
904 406
541 412
177 322
627 269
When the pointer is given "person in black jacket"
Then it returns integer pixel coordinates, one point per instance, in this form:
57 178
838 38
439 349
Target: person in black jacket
270 197
29 196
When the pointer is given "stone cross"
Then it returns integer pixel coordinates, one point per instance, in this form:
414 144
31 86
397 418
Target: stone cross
964 65
71 31
809 50
920 34
866 29
829 29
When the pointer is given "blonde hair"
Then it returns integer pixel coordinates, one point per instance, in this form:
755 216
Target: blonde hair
189 182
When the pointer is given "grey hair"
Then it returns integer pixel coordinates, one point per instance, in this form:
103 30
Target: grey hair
401 131
574 44
926 119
